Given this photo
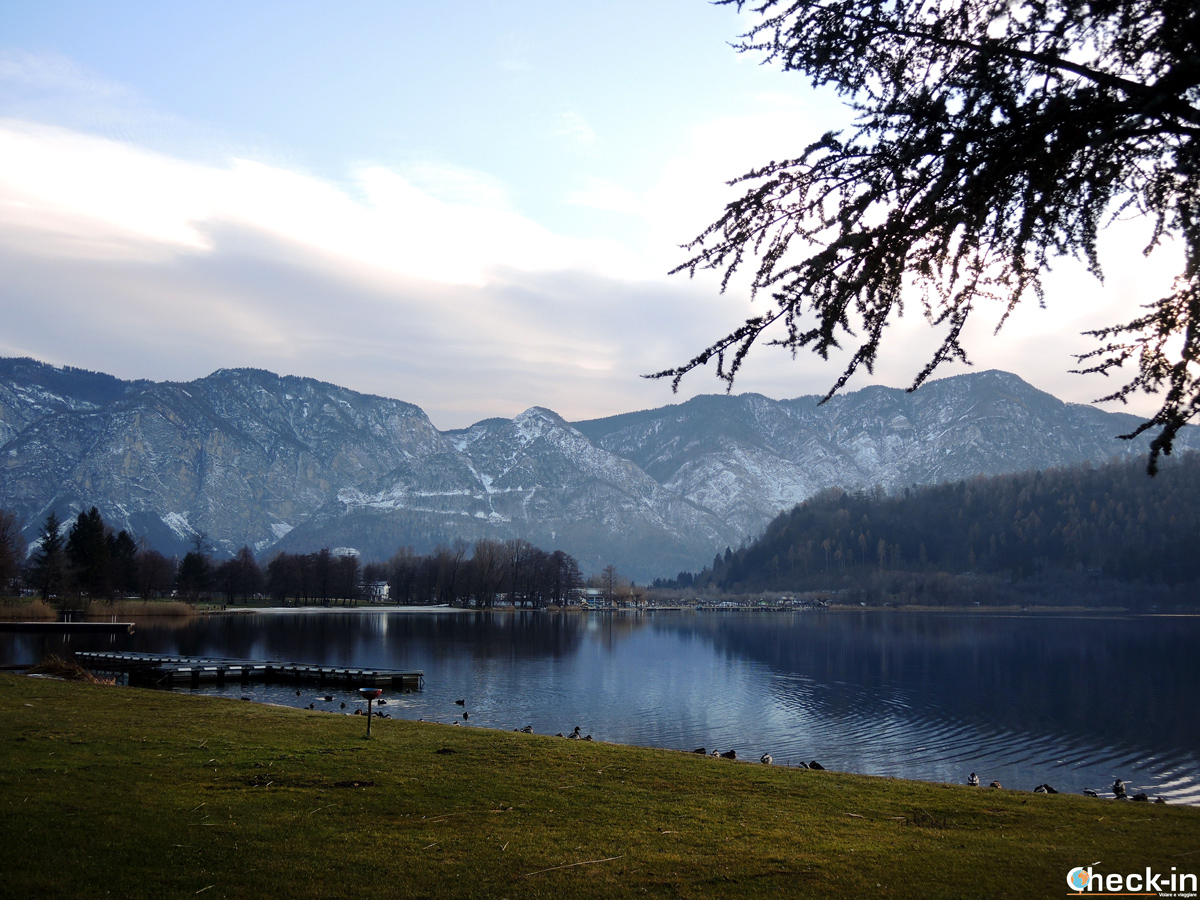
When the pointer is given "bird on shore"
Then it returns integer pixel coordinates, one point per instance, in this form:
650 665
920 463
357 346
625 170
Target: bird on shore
1044 789
973 780
587 737
816 765
1141 798
1118 789
1088 792
995 784
574 735
766 759
729 754
802 765
715 754
701 751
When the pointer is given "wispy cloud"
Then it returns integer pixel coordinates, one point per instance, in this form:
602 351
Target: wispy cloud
62 184
53 72
574 128
426 284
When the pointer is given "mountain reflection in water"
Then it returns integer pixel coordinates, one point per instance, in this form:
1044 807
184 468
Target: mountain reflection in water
1072 700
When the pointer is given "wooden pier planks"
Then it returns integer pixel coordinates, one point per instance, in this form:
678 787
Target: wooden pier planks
170 671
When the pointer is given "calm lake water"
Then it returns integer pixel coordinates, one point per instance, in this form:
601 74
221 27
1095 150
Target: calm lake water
1072 700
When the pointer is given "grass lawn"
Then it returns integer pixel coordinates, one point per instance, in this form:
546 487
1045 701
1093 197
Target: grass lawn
118 792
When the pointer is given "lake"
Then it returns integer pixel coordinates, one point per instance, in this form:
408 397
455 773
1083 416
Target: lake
1070 700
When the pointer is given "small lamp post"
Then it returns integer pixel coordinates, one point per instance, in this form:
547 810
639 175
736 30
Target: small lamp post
370 694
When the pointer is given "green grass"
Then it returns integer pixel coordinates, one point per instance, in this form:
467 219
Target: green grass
117 792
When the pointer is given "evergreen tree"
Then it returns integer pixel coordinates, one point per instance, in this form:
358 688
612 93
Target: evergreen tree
49 563
88 553
122 553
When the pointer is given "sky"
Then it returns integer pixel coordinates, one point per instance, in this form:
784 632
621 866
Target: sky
473 207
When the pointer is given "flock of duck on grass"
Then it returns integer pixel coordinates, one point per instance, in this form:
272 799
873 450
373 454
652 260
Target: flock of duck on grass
1118 788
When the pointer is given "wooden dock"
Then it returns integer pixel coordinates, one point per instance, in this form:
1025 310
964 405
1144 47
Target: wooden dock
189 671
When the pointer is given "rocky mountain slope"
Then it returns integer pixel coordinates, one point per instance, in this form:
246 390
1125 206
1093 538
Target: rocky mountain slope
249 457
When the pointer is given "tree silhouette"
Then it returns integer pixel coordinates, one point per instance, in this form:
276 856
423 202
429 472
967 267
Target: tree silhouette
991 137
12 549
88 550
49 563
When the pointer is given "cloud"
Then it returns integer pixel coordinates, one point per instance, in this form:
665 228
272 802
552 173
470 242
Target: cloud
52 72
427 285
1037 343
575 129
62 185
145 265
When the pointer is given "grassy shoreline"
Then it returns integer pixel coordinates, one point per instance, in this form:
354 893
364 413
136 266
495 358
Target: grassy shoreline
122 792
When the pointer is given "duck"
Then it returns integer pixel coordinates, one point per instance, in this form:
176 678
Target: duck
973 780
574 735
1044 789
1118 788
802 765
816 765
729 754
559 734
329 698
715 754
343 704
1088 792
466 715
462 702
528 729
995 784
766 759
1141 798
587 737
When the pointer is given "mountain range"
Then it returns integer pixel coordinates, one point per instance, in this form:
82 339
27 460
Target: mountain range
282 462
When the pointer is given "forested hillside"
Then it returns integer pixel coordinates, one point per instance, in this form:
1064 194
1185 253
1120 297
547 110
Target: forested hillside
1111 521
248 458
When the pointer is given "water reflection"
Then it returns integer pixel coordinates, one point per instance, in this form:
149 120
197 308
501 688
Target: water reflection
1072 700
